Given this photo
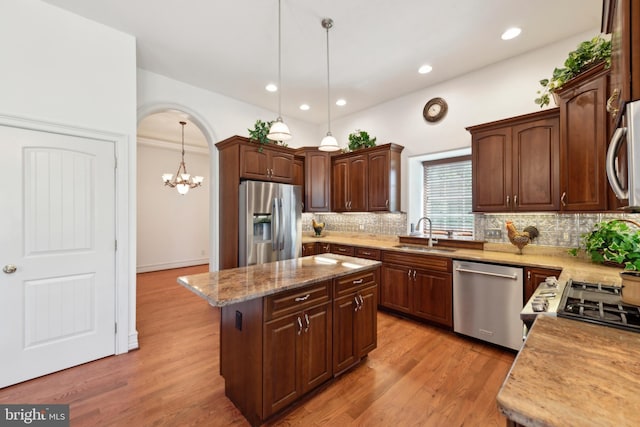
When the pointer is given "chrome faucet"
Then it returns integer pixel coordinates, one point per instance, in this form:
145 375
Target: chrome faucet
418 231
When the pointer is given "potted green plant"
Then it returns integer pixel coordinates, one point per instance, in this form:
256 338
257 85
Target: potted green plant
260 131
615 242
360 139
588 54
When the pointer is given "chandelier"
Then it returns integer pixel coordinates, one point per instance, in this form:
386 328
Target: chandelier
183 181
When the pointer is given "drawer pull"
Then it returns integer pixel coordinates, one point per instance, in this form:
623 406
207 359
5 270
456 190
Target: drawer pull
299 325
304 298
306 319
357 307
366 253
357 282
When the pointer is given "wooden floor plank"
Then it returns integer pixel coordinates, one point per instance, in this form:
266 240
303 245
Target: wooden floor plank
419 375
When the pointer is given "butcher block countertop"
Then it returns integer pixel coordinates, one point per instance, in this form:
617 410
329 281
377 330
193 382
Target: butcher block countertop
573 373
235 285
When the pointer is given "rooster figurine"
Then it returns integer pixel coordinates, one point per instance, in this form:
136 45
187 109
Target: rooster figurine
521 238
317 226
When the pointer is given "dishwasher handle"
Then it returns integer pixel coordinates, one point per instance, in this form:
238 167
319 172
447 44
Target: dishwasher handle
487 273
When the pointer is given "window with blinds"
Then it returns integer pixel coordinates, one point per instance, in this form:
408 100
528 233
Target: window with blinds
447 193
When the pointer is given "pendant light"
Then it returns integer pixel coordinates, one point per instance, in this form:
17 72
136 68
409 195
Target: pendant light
183 181
328 143
279 130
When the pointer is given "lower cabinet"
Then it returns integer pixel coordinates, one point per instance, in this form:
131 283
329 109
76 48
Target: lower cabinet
275 349
533 277
309 248
418 285
355 319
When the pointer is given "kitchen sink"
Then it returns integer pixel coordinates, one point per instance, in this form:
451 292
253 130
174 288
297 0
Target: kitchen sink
425 249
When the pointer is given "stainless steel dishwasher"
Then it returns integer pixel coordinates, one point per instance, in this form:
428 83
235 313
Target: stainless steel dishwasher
487 300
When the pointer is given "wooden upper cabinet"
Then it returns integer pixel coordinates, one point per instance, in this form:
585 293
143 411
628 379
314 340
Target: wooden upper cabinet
264 163
317 179
583 141
621 19
516 163
367 180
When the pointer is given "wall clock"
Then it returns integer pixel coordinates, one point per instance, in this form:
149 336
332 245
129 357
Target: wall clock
434 110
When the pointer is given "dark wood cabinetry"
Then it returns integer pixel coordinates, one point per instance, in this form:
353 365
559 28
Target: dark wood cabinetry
417 285
239 158
337 248
583 141
533 277
309 249
355 321
516 163
317 179
323 248
367 180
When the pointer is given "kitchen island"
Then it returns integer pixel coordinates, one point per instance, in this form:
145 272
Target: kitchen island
573 373
289 326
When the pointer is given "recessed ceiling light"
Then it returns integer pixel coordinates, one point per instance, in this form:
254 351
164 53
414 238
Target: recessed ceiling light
271 87
341 102
304 107
425 69
511 33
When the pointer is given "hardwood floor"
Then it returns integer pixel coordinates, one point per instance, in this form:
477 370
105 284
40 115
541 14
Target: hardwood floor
418 376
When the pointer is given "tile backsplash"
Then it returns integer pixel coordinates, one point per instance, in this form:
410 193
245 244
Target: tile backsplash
556 229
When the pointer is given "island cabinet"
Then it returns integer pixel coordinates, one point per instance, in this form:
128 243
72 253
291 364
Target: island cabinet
317 179
417 285
367 180
583 141
516 163
355 321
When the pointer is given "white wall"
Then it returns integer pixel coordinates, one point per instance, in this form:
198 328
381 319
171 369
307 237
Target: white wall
72 73
172 230
502 90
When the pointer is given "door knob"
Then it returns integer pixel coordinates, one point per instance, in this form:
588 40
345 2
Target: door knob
9 268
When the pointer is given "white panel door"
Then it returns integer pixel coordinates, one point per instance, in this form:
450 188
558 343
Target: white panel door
57 230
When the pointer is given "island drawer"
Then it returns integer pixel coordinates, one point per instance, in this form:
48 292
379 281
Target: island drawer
292 301
368 253
347 284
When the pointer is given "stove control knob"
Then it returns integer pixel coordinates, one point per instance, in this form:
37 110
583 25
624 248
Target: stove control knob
539 306
551 282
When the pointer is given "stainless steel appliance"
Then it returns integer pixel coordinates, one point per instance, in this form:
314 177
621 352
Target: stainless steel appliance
623 168
598 303
270 222
487 300
544 301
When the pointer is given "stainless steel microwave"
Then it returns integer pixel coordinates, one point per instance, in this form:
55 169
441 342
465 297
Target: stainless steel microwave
623 168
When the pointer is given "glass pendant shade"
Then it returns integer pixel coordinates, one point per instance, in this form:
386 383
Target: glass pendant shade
279 131
329 143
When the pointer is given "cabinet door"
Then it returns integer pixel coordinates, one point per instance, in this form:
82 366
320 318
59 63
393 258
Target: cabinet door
339 183
317 182
253 162
491 163
378 183
316 347
322 248
366 322
280 167
583 141
536 166
344 349
433 296
298 178
533 278
357 184
395 290
282 358
308 249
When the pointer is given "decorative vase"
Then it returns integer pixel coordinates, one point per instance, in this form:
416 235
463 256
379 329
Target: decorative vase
631 287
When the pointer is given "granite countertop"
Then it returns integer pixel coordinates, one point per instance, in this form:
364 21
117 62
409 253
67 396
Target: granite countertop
573 373
234 285
577 268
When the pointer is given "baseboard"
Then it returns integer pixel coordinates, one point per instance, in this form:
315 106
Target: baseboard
170 265
133 341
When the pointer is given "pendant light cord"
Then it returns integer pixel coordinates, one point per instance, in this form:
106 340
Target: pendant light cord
279 62
328 23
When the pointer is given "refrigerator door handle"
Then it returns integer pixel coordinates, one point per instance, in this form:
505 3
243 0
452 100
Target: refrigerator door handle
281 225
614 180
275 222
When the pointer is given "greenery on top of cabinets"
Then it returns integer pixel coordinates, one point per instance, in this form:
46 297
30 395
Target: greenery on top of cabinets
613 242
589 53
360 139
260 131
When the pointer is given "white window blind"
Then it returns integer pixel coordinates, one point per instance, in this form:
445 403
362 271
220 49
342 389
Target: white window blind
447 193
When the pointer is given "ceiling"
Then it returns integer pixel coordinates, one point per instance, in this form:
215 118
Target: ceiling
376 46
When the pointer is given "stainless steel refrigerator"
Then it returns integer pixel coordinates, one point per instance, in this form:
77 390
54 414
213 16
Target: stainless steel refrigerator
270 222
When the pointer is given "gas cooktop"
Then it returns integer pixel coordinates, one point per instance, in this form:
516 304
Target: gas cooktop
598 303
